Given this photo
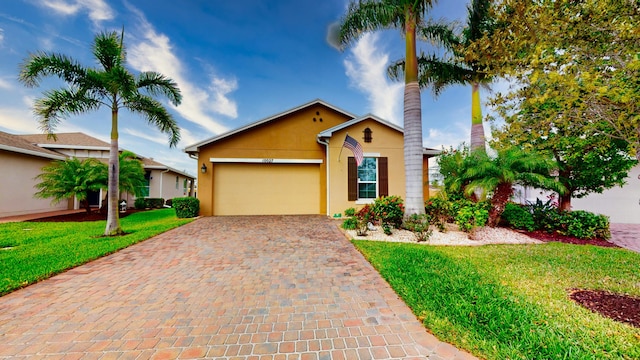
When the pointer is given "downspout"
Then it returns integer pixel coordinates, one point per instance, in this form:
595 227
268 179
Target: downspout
326 144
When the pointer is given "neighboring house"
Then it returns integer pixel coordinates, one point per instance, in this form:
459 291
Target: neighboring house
20 163
294 163
620 204
26 154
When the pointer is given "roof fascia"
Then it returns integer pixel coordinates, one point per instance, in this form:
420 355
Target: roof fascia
329 132
32 152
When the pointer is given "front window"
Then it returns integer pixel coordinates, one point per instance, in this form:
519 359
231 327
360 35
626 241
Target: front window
368 179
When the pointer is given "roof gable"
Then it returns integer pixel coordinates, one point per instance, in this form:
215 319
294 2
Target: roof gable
195 147
329 132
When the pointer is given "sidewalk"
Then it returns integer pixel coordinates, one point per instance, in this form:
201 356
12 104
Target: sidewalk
26 217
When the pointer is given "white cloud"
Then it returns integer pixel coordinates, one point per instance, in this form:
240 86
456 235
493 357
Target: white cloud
5 85
449 137
154 53
1 35
366 67
98 10
18 120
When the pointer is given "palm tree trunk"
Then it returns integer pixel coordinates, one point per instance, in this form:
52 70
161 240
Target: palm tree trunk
477 129
412 124
113 216
498 202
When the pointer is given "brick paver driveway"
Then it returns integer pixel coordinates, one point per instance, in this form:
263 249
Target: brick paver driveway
268 287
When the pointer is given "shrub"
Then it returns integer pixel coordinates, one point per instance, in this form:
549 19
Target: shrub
154 203
350 212
518 217
350 223
364 216
186 207
439 211
140 203
545 215
389 210
471 216
585 225
419 226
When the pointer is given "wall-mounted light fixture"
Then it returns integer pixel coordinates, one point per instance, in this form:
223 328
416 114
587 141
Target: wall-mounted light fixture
203 168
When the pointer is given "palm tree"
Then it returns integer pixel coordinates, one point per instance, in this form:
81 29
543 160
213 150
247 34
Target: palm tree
131 173
64 179
498 175
110 85
407 16
438 74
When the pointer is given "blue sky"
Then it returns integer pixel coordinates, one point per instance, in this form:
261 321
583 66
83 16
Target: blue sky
236 62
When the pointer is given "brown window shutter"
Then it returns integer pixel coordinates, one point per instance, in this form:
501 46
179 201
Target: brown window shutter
383 175
352 184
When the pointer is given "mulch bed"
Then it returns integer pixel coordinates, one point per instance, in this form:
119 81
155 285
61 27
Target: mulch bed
549 237
83 216
618 307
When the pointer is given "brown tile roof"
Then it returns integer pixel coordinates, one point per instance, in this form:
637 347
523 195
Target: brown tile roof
16 143
76 139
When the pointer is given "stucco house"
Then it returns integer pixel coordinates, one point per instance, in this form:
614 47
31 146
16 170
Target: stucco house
26 154
20 163
294 163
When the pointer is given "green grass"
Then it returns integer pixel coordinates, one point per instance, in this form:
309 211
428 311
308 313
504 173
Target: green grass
511 301
33 251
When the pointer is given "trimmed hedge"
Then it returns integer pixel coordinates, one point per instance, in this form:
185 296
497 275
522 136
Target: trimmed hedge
149 203
186 207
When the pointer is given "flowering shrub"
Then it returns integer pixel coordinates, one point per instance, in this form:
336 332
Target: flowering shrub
364 216
389 210
439 211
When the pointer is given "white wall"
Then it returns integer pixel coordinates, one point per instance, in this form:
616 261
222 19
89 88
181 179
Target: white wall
17 172
622 205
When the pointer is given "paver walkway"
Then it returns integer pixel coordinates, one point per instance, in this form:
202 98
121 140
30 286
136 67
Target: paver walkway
626 236
270 287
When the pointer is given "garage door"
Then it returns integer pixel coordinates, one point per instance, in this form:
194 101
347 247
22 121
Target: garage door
266 189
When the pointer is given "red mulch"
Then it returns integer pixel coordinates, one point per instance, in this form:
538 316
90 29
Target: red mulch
83 216
618 307
547 237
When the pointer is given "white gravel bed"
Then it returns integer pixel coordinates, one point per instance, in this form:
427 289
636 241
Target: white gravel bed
482 236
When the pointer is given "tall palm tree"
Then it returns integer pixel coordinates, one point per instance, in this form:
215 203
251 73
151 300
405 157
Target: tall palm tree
460 69
498 175
407 16
111 85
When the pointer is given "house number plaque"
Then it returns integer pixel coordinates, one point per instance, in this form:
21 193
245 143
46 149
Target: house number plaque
267 161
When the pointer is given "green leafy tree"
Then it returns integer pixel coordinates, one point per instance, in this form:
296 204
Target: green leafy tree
588 161
111 85
512 166
64 179
582 54
407 16
437 72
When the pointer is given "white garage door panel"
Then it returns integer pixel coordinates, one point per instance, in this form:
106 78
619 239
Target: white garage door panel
266 189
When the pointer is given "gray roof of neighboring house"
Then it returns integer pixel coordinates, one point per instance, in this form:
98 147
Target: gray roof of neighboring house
16 143
76 140
151 164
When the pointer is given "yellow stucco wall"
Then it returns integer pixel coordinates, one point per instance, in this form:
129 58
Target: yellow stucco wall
292 136
386 142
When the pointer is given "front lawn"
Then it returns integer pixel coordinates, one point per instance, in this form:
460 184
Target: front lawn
511 301
32 251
